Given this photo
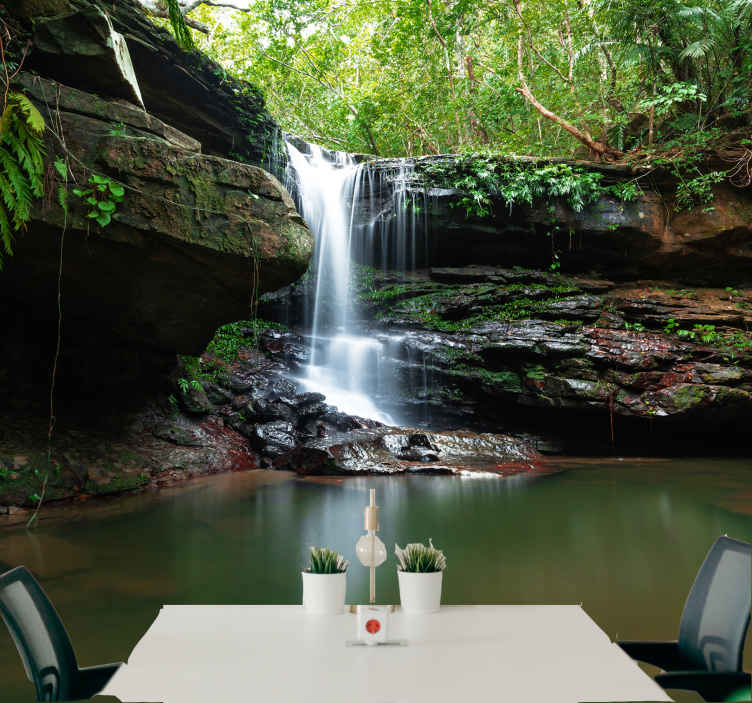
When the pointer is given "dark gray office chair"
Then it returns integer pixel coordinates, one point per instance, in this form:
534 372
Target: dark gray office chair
43 643
707 658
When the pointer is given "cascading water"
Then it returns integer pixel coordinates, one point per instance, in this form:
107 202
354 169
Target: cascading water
351 369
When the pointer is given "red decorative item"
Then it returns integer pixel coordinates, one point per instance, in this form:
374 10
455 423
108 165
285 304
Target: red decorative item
373 626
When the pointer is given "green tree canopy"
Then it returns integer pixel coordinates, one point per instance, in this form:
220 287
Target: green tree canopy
402 77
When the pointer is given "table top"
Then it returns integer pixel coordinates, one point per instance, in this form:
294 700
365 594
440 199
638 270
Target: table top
521 653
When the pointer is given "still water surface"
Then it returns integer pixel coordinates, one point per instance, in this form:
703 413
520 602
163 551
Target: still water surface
624 538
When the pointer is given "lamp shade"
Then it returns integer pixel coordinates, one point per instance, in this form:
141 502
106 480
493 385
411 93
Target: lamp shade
370 550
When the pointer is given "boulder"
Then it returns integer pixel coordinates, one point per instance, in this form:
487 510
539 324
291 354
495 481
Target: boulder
192 235
216 394
183 88
84 41
390 450
181 434
195 400
274 438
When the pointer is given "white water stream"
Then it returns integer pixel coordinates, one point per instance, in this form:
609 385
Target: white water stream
352 369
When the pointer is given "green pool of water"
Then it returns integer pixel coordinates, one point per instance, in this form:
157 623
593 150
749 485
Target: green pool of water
624 538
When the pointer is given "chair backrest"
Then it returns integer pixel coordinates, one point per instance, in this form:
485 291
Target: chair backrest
716 615
39 635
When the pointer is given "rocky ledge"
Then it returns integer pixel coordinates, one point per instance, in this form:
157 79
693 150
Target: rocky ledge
649 236
644 357
244 414
582 364
194 239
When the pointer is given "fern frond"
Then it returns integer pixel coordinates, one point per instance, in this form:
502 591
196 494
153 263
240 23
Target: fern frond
698 11
21 189
32 116
21 166
6 235
697 49
588 48
6 193
182 33
6 119
742 8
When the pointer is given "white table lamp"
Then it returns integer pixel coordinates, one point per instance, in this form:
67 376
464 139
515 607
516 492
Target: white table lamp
369 548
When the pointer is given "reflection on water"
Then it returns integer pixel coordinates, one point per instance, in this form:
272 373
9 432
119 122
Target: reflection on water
625 539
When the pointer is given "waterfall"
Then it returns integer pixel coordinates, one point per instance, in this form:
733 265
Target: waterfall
346 365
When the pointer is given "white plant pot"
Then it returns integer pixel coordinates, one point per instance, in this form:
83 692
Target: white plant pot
324 594
420 592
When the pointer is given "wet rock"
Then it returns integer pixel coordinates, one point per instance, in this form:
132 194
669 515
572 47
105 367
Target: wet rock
274 438
311 410
311 427
635 350
183 435
468 274
578 307
195 400
216 394
280 387
304 399
239 384
717 374
396 450
533 337
236 420
339 421
307 461
254 385
239 402
266 409
286 346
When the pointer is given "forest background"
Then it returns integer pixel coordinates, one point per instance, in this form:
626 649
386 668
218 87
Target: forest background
608 79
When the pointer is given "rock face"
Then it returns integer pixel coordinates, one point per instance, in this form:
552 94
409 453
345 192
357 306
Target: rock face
565 357
250 417
641 239
393 450
194 238
182 88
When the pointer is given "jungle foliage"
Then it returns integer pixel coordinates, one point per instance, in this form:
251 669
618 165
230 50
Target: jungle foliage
21 158
598 78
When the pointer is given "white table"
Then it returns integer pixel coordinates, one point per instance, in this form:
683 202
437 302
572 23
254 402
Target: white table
462 654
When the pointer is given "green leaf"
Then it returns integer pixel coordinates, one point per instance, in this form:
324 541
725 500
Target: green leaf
116 189
104 219
61 168
92 214
102 188
80 193
96 178
32 116
91 200
106 206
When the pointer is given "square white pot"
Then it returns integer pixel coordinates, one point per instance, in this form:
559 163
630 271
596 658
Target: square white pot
324 594
420 592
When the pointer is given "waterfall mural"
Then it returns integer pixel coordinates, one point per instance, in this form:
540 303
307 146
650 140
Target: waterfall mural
359 372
